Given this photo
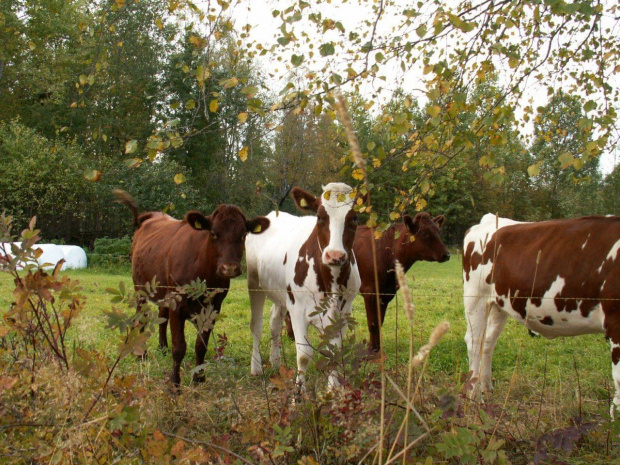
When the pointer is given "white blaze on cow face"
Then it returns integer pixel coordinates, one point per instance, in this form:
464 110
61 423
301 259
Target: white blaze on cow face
337 203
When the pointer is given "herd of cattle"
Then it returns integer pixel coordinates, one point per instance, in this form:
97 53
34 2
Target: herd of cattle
557 278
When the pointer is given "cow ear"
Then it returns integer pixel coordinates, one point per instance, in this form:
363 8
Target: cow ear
413 225
438 220
257 225
198 221
304 200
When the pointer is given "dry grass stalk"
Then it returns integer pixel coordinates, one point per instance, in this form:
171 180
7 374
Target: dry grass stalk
354 144
404 289
440 330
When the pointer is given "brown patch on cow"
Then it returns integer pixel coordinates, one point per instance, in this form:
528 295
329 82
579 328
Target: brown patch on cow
285 257
547 321
301 270
291 296
500 302
615 355
536 301
471 260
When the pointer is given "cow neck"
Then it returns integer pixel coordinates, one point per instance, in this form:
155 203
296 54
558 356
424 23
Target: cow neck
311 250
398 247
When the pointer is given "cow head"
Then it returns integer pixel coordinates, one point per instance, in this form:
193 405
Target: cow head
336 220
227 227
426 245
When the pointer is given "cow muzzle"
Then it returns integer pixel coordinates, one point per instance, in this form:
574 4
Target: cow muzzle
229 270
334 257
445 257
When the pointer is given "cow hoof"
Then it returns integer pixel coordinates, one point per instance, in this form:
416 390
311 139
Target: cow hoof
198 378
163 350
372 355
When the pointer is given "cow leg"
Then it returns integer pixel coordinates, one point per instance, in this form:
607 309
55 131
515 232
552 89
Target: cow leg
372 318
257 301
202 340
477 314
612 330
303 347
275 324
163 328
140 311
495 325
179 346
289 326
336 342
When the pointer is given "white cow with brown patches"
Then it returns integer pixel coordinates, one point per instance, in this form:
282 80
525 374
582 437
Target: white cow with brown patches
557 278
305 266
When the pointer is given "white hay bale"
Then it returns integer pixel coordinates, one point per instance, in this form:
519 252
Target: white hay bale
75 257
51 255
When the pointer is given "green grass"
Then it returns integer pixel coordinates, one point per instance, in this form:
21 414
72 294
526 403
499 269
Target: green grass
571 363
569 375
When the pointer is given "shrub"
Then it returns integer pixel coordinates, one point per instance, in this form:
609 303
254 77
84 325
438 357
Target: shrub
110 252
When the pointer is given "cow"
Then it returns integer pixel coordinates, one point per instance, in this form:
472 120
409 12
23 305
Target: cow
306 267
412 240
557 278
176 252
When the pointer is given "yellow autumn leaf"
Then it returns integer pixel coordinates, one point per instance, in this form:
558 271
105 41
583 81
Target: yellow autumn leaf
243 153
213 106
242 117
358 174
394 216
179 178
433 110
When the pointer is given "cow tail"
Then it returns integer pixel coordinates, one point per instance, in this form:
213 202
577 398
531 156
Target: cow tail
126 199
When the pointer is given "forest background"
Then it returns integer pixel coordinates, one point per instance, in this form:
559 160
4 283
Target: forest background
171 101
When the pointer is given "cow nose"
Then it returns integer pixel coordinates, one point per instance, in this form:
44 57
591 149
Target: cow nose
445 257
335 257
230 270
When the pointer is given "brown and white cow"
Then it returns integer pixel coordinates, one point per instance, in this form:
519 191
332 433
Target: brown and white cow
557 278
408 242
304 265
177 252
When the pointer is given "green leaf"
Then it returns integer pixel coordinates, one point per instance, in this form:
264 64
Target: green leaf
589 106
421 30
327 49
131 146
297 59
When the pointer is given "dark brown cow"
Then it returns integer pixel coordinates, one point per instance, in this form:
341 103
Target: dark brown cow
176 252
557 278
413 240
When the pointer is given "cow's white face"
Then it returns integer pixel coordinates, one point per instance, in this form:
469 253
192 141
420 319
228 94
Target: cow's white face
336 220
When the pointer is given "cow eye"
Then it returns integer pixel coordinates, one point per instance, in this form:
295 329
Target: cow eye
213 236
354 220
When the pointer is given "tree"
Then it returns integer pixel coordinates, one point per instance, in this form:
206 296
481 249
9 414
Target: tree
565 181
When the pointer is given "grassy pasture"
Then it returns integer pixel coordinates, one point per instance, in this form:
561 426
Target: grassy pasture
540 385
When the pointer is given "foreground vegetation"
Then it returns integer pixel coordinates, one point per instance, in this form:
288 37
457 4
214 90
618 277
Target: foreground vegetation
549 405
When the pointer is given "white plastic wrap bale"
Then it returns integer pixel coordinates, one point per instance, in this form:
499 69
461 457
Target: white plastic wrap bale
75 257
52 253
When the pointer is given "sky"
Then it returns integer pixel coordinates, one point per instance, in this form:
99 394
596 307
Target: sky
265 29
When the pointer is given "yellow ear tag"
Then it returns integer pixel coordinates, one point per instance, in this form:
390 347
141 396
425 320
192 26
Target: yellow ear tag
411 238
258 228
303 203
327 195
341 197
197 225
